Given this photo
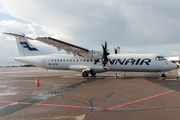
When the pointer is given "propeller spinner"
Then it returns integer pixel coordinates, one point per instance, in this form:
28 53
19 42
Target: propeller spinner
105 54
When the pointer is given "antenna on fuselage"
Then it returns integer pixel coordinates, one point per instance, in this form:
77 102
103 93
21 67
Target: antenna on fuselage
117 50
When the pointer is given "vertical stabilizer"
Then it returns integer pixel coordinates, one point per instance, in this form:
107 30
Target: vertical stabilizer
24 46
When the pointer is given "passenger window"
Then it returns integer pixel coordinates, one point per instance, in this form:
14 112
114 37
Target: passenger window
58 60
70 60
84 60
77 60
55 60
64 60
87 60
74 60
67 60
61 60
91 60
52 60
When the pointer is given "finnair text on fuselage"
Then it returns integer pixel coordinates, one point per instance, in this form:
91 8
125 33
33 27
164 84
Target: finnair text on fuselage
125 61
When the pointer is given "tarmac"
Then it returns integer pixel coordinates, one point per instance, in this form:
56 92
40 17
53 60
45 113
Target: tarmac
66 95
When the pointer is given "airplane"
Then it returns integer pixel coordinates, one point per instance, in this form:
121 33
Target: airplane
87 61
175 59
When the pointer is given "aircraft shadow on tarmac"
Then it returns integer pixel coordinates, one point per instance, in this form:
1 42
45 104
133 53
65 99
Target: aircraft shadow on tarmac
168 82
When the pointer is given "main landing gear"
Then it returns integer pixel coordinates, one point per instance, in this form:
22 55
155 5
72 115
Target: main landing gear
86 73
92 72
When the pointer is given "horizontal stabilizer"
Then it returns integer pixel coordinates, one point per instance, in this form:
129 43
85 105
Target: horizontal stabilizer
18 35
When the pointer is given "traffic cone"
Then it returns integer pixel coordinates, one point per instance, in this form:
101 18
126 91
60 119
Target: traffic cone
115 75
37 82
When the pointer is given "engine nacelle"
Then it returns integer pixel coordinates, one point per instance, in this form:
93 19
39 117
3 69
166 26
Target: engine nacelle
93 54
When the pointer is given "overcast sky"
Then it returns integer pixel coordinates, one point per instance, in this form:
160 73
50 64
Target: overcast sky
137 26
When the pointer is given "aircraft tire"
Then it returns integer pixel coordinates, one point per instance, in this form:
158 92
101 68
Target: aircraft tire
163 75
85 74
92 72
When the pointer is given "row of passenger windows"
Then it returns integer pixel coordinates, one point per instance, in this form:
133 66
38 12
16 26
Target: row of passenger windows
71 60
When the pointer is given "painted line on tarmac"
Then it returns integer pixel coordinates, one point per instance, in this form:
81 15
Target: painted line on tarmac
87 107
34 100
55 105
143 99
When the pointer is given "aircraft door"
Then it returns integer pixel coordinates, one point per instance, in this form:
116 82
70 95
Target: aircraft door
44 63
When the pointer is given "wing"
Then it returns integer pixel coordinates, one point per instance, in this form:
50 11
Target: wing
69 48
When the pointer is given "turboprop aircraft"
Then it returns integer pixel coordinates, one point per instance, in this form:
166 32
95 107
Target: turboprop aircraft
88 61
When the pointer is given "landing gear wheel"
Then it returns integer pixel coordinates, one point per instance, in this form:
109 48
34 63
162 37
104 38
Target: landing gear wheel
93 73
85 74
163 75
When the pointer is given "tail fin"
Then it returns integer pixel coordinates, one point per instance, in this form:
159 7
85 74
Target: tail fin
24 46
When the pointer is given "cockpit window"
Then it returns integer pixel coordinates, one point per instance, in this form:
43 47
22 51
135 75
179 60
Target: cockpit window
160 58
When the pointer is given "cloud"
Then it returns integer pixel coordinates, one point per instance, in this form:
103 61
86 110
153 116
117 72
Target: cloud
137 26
119 21
8 43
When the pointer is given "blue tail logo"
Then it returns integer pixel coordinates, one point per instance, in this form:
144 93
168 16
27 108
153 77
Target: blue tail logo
25 45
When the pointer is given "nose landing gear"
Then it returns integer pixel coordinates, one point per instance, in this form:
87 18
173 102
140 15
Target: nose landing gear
163 75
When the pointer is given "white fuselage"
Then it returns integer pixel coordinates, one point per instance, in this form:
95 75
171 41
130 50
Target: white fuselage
117 62
90 62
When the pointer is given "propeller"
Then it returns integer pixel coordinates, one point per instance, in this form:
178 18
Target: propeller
105 54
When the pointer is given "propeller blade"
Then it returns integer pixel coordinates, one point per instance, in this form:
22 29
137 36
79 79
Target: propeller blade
105 44
103 48
105 54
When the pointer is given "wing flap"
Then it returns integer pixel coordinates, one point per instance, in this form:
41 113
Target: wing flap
69 48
